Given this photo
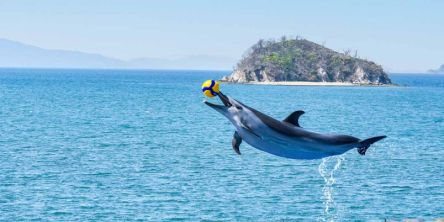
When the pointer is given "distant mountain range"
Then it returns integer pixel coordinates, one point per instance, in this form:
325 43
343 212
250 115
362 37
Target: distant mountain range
16 54
440 70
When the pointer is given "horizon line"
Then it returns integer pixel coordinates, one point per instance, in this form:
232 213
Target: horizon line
172 69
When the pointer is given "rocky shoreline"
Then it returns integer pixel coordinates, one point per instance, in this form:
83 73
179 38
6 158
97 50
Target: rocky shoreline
307 83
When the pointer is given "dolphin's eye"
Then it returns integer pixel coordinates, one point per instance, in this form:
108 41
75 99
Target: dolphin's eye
238 107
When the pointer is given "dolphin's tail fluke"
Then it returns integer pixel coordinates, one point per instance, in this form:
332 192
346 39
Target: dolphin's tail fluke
363 145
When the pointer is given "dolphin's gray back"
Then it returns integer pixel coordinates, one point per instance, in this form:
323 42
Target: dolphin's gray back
291 131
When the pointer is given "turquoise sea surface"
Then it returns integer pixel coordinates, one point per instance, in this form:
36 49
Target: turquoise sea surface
124 145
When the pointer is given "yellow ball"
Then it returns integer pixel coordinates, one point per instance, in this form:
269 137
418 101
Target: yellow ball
210 88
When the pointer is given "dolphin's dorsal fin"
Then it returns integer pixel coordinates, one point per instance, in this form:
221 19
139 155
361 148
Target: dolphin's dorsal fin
237 140
293 118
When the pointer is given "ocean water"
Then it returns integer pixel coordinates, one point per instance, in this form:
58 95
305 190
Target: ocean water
115 145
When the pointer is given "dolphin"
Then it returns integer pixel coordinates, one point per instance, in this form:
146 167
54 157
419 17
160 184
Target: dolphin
284 138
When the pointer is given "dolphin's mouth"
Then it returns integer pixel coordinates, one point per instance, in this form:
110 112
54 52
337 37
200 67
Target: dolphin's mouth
224 100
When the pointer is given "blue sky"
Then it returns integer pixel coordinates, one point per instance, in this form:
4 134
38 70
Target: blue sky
403 36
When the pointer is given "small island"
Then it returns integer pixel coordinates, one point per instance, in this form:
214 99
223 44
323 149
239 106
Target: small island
302 62
440 70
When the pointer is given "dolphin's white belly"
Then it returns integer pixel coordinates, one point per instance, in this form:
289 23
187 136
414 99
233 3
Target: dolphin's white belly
290 147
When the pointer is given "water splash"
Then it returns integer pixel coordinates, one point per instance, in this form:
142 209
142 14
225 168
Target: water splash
327 170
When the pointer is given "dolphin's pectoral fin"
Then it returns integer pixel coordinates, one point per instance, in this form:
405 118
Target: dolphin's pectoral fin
237 140
293 118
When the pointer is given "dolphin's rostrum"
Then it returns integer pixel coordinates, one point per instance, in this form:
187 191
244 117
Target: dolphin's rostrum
284 138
